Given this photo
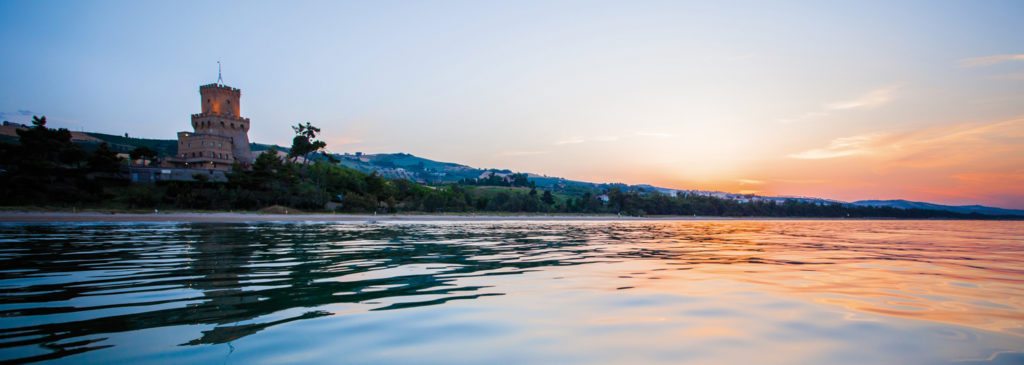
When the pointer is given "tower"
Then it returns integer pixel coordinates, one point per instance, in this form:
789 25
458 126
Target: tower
221 135
221 116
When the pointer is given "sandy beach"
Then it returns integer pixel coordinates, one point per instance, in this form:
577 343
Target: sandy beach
60 217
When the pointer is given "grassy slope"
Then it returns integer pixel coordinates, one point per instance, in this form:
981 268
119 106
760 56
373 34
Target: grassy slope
166 147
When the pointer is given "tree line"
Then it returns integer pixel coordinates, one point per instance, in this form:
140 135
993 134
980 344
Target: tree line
46 169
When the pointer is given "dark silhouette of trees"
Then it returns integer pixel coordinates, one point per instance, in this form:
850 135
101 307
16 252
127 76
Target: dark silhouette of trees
45 167
104 159
144 153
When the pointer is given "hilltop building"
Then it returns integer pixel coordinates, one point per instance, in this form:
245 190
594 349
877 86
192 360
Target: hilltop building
220 134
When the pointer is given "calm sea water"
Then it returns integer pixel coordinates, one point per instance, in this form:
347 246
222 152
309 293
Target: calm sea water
773 292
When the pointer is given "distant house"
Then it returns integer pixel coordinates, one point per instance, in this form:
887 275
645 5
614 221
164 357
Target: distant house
603 197
397 173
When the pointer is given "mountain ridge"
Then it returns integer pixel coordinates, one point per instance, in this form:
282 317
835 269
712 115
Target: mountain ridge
966 209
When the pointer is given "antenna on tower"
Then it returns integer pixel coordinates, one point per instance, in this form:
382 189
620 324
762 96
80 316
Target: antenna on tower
220 81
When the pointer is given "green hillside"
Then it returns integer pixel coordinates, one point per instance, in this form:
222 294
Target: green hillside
415 168
165 147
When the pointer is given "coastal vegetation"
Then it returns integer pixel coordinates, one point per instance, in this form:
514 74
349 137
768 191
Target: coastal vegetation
44 168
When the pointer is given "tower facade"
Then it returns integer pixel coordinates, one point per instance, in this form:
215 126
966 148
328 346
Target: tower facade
221 134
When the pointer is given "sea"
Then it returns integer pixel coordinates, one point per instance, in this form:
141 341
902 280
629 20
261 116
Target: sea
514 292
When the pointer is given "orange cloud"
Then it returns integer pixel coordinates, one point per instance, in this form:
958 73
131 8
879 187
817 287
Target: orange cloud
990 60
949 145
960 163
841 147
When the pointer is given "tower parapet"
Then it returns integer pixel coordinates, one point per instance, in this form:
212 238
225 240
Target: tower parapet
220 99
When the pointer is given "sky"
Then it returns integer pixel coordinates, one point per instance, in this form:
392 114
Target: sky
917 100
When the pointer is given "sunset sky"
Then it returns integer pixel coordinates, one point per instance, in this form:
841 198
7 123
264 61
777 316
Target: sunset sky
843 100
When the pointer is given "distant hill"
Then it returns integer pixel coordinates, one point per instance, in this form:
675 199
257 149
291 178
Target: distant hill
966 209
404 165
418 168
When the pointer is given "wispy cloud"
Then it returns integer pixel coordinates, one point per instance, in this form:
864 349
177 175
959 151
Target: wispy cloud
872 99
993 177
805 181
521 153
19 113
610 138
990 60
1010 76
578 140
869 100
840 147
654 134
804 116
750 182
962 144
570 140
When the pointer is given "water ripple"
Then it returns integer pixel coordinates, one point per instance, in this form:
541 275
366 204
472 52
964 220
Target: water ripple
69 289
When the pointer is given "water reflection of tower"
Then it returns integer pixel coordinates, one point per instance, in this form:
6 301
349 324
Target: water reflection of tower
219 260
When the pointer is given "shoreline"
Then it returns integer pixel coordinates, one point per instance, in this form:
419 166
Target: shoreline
233 217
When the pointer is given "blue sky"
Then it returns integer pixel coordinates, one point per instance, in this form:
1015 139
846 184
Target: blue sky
739 96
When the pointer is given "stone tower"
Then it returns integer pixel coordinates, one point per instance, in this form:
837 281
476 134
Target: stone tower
221 116
221 135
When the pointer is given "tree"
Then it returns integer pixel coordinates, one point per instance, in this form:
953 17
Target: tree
73 156
145 153
547 198
519 179
305 143
42 147
104 159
